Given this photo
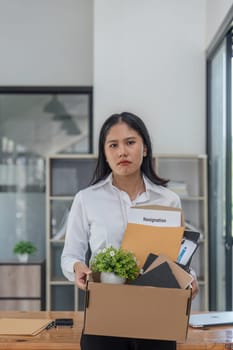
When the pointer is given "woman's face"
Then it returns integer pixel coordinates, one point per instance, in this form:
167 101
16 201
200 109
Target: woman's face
124 150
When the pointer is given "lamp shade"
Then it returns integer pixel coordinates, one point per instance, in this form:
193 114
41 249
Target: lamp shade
55 106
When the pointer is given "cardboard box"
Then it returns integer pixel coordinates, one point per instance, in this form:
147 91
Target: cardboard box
137 311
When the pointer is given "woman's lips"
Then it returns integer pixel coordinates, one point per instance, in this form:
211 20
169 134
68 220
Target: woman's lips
124 162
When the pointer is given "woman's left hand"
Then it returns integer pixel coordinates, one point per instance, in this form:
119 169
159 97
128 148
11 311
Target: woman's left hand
195 288
194 284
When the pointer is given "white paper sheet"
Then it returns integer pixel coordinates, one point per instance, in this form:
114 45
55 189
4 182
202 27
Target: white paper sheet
152 217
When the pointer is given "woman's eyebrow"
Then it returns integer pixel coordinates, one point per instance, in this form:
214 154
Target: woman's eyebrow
110 141
125 139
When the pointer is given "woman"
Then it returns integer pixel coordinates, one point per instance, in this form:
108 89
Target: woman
124 177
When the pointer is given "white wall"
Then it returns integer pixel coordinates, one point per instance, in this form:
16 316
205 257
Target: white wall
149 58
216 10
46 42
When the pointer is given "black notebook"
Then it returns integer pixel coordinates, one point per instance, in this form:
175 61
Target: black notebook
149 260
160 276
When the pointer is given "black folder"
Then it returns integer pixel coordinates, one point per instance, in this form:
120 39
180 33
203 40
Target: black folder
149 260
160 276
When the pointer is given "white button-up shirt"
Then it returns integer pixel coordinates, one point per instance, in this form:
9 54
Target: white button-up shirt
98 217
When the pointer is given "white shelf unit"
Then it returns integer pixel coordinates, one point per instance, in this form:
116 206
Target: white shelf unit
188 178
66 175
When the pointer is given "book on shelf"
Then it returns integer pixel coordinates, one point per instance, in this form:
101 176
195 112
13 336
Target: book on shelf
179 187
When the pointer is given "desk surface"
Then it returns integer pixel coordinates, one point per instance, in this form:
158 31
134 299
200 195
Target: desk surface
215 338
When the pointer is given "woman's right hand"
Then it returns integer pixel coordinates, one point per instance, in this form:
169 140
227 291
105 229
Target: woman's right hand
81 272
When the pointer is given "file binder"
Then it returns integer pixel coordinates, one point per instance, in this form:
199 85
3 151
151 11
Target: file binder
23 326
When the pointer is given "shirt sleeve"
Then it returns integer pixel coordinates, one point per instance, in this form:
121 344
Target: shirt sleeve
175 200
76 239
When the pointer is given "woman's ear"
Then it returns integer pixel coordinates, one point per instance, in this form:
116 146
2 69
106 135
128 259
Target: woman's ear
144 151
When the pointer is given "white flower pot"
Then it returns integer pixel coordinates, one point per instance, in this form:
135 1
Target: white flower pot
111 277
23 257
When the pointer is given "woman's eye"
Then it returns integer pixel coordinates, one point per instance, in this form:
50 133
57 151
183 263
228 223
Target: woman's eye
131 142
112 145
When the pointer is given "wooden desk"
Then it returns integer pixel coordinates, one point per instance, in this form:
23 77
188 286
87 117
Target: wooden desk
215 338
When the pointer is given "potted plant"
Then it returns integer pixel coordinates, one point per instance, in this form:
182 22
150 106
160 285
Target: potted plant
23 249
115 265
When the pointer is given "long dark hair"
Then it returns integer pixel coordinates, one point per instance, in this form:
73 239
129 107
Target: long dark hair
134 122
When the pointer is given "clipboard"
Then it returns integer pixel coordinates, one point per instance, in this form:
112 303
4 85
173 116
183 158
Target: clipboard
23 326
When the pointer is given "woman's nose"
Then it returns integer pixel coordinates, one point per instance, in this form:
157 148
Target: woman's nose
122 151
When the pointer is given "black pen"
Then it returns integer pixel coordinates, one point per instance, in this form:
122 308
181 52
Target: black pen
50 325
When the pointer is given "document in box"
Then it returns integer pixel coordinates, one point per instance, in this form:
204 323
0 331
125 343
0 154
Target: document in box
144 239
150 217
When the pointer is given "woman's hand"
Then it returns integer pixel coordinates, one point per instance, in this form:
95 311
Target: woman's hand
81 272
195 288
194 284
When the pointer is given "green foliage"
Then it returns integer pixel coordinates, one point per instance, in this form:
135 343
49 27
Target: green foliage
122 262
24 247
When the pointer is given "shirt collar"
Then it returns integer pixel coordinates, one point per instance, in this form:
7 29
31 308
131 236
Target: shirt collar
150 186
107 180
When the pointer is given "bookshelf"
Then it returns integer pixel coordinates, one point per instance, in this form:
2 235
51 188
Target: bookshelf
188 178
66 175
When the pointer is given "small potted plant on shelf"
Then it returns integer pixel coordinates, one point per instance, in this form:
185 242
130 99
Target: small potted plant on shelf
115 265
23 249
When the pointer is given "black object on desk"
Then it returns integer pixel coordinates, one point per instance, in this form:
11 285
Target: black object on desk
63 322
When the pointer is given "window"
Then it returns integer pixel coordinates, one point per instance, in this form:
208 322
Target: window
36 122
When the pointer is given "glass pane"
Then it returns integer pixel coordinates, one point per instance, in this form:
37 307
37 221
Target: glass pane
46 123
35 123
59 215
22 198
56 272
217 175
78 171
62 298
